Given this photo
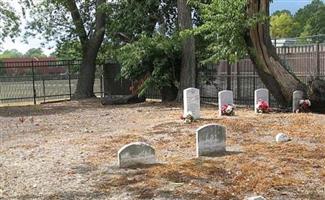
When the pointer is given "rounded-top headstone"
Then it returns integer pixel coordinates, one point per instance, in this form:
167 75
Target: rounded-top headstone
210 140
137 153
191 99
296 97
260 94
225 97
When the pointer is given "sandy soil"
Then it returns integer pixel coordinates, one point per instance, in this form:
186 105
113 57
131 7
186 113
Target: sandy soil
68 151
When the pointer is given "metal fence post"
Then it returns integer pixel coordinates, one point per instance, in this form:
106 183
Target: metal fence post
69 77
101 86
254 80
34 89
238 82
228 76
43 90
317 60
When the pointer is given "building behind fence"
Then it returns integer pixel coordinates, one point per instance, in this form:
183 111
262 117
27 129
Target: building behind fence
43 80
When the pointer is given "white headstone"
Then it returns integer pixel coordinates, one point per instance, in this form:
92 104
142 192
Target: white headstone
225 97
137 153
191 98
261 95
210 140
296 97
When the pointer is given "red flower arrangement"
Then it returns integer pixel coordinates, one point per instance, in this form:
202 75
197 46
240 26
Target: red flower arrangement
228 109
304 106
262 106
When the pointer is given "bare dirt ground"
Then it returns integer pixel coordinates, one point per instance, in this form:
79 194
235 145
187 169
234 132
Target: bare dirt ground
69 151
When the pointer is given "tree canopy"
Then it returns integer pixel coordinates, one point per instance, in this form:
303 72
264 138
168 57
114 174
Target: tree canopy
283 25
35 53
12 53
9 22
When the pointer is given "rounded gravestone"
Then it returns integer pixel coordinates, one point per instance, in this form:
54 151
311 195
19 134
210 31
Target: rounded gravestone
225 97
191 99
137 153
260 95
210 140
296 97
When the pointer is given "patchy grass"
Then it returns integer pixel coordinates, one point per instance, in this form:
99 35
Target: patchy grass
78 142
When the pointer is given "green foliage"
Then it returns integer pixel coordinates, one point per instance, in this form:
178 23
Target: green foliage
155 58
304 14
283 26
68 50
279 12
316 24
35 53
224 27
53 19
13 53
9 22
129 20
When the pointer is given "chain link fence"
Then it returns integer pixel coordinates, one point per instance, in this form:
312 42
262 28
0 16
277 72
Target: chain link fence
41 81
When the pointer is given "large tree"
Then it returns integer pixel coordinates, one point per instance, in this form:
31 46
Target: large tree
85 22
188 66
12 53
35 52
316 24
283 26
145 35
243 26
304 14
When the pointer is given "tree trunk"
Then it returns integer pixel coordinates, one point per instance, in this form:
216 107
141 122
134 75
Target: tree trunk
168 93
272 72
280 82
86 80
91 42
188 65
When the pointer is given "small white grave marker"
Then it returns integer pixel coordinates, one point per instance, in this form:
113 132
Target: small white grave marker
296 97
261 95
191 99
137 153
225 97
210 140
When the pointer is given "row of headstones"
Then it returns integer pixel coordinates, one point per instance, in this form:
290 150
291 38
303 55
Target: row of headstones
191 100
210 141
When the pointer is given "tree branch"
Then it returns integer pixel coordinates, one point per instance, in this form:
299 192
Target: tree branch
78 22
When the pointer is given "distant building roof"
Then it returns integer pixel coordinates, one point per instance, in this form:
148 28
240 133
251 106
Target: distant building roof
284 42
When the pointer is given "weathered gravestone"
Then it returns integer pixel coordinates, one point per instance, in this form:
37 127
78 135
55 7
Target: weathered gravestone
225 97
296 97
210 140
261 95
191 99
137 153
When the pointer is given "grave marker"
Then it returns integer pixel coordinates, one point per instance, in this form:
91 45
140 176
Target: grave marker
137 153
191 99
210 140
261 94
225 97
